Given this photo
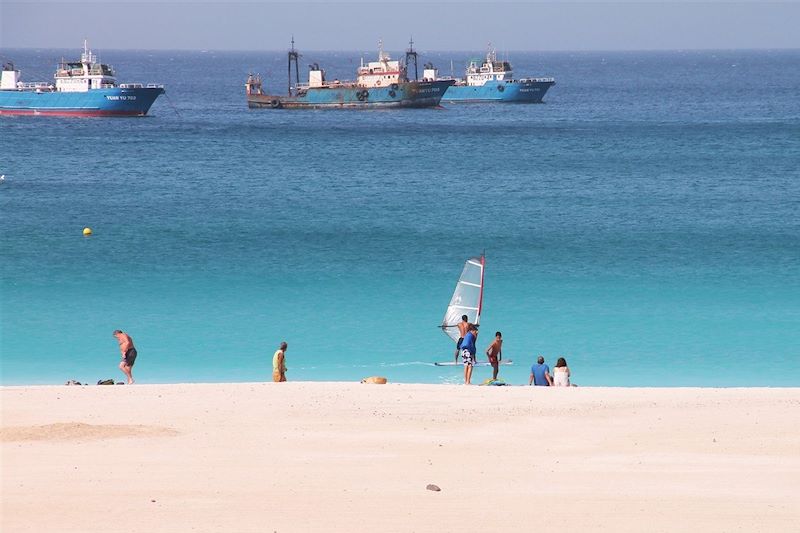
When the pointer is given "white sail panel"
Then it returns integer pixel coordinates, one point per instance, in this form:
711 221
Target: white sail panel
467 298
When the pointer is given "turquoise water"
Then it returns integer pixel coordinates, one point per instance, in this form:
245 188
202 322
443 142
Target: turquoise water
643 223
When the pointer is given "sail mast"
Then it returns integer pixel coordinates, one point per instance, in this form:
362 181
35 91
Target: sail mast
480 298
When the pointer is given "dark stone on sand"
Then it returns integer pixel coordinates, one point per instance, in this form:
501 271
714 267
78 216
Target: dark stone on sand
434 488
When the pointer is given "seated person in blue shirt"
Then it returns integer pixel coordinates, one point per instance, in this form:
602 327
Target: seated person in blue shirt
540 374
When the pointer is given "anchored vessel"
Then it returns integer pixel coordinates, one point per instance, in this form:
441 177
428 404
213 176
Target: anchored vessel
82 88
492 81
379 84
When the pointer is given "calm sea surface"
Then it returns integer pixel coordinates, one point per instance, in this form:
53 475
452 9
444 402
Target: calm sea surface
644 223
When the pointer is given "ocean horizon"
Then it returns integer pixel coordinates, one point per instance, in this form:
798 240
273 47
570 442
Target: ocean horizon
642 223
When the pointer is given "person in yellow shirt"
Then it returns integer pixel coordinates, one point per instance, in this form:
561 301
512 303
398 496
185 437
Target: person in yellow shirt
279 364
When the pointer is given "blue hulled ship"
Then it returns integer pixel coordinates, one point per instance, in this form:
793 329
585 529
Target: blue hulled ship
83 88
491 81
380 84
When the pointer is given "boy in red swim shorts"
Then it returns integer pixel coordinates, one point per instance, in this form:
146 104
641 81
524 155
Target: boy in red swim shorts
495 353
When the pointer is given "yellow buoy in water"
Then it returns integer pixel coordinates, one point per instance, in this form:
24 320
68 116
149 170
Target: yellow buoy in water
87 232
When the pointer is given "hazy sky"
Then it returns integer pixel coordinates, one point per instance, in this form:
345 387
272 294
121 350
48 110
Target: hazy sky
441 25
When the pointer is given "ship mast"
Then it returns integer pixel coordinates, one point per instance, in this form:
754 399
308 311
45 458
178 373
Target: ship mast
294 56
411 55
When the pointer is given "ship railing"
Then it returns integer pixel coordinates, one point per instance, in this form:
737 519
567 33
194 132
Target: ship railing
307 86
539 80
34 85
141 86
325 84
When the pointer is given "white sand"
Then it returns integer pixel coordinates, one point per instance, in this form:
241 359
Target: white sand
352 457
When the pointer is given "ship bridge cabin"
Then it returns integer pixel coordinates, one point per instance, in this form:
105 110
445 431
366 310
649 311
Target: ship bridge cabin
80 76
381 73
490 70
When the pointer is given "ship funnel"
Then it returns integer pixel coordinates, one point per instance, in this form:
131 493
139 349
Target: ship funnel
9 78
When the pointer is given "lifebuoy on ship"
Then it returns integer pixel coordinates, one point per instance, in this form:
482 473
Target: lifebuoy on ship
378 83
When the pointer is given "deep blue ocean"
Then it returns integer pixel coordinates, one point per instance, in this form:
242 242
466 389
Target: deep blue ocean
644 223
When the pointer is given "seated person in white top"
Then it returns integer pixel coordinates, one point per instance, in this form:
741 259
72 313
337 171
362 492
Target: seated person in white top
561 373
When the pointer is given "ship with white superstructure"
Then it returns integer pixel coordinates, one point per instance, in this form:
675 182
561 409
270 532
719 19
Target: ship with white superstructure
85 88
491 80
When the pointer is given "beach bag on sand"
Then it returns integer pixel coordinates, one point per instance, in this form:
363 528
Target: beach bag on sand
106 382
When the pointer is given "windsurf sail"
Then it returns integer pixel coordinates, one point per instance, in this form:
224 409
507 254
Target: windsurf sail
467 298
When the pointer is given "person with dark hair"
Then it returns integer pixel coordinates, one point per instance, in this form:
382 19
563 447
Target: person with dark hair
561 373
128 354
279 363
540 374
462 332
495 353
468 352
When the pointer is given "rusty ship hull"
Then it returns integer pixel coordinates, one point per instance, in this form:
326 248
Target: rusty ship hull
395 95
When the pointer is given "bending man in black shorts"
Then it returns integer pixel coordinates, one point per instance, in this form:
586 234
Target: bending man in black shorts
128 352
462 332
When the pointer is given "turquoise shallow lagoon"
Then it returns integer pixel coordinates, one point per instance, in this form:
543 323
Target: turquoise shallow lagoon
643 223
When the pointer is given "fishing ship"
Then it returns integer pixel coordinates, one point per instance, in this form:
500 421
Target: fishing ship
491 81
379 84
82 88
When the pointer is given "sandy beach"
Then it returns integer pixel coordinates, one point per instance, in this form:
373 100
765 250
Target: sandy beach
353 457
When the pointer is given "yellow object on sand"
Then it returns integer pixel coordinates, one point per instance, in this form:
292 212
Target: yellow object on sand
376 380
87 232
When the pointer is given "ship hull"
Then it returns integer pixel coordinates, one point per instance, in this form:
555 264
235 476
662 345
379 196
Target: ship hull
518 91
93 103
397 95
